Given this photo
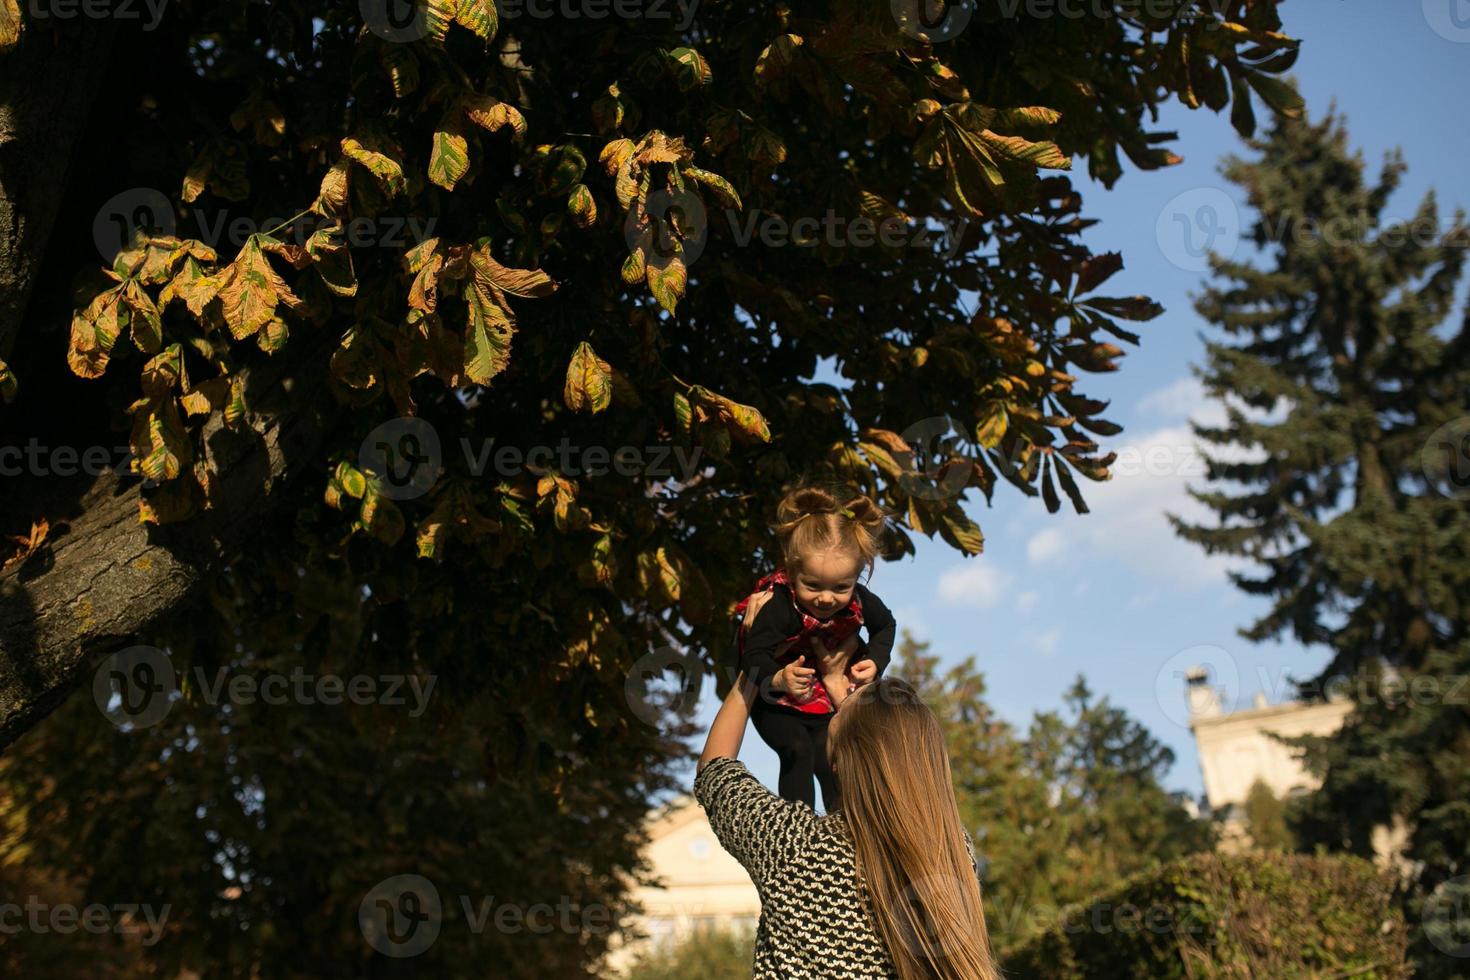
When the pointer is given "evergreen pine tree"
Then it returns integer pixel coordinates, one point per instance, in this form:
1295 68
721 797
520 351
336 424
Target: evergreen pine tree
1349 381
1067 810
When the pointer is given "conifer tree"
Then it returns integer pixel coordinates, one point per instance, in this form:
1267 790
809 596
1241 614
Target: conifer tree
1348 382
1067 809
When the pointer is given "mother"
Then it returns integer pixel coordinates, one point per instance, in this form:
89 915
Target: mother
884 886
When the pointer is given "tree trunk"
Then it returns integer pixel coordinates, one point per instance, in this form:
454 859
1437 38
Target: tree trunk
108 576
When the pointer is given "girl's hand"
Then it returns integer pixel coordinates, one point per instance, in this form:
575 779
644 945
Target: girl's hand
795 679
863 672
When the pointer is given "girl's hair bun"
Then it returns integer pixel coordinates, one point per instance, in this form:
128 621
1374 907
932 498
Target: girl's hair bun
803 502
813 517
863 510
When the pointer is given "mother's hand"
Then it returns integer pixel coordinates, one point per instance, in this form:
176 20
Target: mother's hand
833 662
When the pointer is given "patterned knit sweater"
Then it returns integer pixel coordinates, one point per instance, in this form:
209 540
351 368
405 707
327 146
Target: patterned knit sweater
812 924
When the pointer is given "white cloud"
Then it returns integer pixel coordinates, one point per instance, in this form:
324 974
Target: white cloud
1144 599
1026 602
1049 642
973 582
1127 524
1183 399
1045 545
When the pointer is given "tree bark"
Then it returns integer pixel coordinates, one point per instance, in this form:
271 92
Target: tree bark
48 86
109 576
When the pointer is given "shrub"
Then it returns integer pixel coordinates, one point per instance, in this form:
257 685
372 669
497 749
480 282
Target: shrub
720 954
1212 917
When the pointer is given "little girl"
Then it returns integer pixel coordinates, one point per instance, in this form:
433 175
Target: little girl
814 598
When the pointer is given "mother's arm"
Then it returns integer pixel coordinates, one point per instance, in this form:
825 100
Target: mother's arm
728 729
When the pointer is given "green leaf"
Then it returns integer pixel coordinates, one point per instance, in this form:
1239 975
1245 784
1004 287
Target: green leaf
1242 113
1096 270
683 413
582 207
250 290
9 385
10 24
991 428
1048 488
1069 484
956 527
721 187
1278 94
1138 308
449 160
146 324
517 282
667 280
333 260
380 158
351 480
94 331
487 335
479 16
691 71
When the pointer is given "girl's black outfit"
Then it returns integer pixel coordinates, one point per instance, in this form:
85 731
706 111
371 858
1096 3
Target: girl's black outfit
797 731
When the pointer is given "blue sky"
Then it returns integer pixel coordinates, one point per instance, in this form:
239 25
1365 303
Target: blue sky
1113 594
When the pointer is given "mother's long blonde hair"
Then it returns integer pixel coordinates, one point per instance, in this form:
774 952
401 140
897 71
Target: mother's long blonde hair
894 786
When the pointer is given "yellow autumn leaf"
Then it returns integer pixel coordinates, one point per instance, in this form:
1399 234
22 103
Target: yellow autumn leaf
589 381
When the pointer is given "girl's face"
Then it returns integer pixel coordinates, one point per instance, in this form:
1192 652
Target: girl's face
826 580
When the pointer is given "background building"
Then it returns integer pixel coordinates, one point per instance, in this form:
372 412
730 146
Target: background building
1238 748
703 887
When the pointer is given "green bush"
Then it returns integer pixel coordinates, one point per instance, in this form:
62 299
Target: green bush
719 954
1211 917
